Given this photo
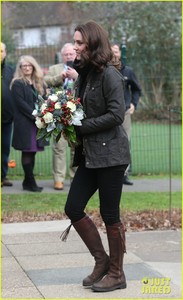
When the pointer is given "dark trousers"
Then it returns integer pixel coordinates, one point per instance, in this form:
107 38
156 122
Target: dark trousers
108 181
6 131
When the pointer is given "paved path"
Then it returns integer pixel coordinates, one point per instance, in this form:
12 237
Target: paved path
36 264
140 185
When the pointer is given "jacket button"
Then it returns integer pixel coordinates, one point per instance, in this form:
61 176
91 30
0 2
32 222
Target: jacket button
103 144
87 162
93 88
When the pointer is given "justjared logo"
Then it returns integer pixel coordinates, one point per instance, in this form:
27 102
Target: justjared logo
156 285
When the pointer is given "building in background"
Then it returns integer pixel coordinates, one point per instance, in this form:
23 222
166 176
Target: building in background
36 24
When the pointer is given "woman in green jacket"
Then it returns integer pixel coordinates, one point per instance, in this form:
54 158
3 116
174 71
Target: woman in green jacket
102 155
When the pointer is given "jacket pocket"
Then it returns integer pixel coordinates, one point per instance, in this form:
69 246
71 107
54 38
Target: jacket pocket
101 143
103 136
95 103
96 149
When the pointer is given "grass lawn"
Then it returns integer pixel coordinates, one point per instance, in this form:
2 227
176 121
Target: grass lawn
153 147
48 203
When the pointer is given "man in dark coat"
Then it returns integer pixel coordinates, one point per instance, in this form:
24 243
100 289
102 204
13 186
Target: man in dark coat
6 116
132 93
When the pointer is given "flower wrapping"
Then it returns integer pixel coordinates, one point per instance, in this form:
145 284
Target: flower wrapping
57 115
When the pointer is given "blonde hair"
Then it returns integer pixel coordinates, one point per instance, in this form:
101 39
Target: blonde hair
37 74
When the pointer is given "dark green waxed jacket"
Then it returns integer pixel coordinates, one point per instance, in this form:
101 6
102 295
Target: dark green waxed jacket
105 142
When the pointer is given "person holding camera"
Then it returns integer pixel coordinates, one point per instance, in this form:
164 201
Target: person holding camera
62 75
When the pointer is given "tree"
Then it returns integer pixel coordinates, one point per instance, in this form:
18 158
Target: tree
6 33
153 38
153 33
156 49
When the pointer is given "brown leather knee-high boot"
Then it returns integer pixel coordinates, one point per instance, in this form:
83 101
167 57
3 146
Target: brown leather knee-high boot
115 278
90 236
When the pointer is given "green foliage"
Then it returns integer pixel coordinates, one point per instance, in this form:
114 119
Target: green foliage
7 39
153 39
155 49
71 135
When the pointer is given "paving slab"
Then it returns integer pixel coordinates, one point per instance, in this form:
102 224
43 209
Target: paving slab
36 264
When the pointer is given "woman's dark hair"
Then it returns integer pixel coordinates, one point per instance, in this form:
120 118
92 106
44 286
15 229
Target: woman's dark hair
98 49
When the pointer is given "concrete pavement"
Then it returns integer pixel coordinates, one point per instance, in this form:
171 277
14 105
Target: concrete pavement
36 264
140 185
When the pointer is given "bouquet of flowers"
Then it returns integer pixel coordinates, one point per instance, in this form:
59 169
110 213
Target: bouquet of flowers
57 115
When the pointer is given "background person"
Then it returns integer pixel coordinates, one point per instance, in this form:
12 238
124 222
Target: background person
62 75
6 116
26 85
132 95
101 157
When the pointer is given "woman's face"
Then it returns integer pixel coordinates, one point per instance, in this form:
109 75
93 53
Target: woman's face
27 68
79 45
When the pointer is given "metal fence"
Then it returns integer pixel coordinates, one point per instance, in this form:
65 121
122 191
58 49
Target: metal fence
156 145
155 149
155 142
45 55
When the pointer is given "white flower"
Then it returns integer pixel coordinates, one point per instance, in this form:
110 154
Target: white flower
71 105
43 107
48 117
50 127
35 112
39 123
57 105
59 93
53 97
77 116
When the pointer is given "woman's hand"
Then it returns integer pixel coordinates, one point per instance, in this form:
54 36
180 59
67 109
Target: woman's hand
132 109
71 73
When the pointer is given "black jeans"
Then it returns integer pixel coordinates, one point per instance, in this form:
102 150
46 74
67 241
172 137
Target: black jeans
85 183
